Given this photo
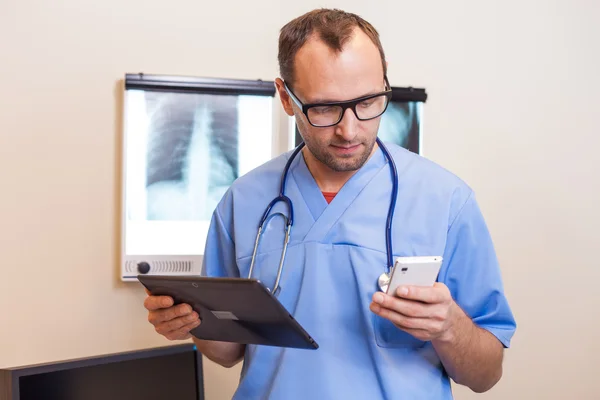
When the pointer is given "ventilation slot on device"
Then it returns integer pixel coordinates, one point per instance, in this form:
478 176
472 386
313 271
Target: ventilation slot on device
157 266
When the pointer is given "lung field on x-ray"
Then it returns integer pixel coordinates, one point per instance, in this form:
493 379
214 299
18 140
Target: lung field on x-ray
400 125
192 153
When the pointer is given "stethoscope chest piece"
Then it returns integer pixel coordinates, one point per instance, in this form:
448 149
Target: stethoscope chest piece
383 282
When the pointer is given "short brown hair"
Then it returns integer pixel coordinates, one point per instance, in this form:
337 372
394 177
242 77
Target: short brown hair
334 27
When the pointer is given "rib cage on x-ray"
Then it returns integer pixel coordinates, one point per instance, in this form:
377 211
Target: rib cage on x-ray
192 153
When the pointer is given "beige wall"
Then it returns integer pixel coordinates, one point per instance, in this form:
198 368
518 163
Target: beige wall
513 110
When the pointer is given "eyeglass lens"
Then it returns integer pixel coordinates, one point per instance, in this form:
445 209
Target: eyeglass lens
331 114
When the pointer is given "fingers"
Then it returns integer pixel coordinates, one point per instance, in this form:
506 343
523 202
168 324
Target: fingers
179 326
168 314
183 332
409 308
438 293
407 323
172 321
153 303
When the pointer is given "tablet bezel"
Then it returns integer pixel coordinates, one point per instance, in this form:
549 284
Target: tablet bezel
249 327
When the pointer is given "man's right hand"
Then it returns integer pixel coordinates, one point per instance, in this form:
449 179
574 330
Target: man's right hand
173 322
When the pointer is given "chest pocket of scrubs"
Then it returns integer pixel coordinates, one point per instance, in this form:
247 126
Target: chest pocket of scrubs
389 335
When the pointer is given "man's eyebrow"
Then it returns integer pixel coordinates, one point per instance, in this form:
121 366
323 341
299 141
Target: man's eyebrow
318 100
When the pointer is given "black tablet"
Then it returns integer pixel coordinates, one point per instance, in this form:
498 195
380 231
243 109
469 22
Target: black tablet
233 310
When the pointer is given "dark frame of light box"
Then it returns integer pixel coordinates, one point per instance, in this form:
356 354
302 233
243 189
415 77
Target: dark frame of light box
173 83
399 95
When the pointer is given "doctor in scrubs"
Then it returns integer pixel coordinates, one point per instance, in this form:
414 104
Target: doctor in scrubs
371 345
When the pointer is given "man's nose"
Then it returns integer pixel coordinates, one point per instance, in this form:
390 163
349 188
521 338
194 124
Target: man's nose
347 128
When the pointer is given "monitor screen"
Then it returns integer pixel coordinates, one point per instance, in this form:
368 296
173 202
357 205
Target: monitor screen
173 375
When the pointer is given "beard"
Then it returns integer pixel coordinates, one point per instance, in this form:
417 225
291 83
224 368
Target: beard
321 151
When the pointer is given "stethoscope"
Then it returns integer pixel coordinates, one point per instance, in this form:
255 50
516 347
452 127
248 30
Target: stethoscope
384 278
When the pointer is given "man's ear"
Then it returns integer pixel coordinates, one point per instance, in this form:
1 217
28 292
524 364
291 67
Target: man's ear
286 101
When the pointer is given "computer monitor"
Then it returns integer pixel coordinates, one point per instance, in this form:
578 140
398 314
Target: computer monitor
171 372
185 140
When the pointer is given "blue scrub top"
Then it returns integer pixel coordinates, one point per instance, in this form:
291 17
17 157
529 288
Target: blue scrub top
335 255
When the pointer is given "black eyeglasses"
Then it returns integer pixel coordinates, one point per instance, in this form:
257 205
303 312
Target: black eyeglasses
322 115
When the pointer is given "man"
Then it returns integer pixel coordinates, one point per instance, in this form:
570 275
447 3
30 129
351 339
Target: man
372 345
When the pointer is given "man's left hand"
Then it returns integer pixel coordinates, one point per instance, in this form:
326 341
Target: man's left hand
427 313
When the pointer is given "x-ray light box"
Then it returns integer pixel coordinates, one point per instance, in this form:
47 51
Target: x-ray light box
185 141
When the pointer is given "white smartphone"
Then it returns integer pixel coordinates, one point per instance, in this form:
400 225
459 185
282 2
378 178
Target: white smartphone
414 271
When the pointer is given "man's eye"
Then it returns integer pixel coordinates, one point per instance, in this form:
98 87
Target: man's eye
323 110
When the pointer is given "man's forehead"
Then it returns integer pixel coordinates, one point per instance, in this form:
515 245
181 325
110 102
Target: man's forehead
316 88
323 74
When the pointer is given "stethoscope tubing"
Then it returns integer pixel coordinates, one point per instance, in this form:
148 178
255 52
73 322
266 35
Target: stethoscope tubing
290 219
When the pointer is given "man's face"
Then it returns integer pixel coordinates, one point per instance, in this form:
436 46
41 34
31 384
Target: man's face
322 75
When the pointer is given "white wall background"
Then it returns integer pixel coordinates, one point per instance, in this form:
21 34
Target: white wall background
513 110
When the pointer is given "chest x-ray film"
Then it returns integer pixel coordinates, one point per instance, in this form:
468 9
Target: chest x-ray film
185 141
401 123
